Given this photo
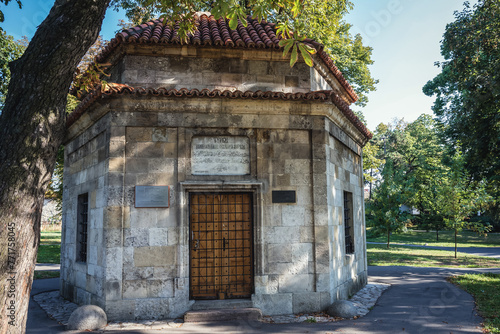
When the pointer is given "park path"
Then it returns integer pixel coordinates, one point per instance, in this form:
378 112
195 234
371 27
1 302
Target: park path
48 266
478 251
420 300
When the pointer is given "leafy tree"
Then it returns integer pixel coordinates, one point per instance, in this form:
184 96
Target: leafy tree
10 50
374 154
458 199
34 114
428 178
424 157
468 91
414 150
371 164
384 214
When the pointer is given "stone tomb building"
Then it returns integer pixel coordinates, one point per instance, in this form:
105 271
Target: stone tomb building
211 169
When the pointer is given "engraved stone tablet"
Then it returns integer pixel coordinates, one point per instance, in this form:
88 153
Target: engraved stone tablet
220 155
284 196
152 196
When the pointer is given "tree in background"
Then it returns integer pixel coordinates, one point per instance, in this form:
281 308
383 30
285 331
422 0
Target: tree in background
424 170
384 215
371 165
10 50
468 92
458 198
421 173
383 212
33 118
415 155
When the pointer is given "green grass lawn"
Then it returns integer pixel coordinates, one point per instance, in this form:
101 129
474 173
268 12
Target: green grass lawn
446 239
486 292
50 237
49 250
379 255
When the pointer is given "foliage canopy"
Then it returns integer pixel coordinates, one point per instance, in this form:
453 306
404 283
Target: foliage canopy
468 88
419 172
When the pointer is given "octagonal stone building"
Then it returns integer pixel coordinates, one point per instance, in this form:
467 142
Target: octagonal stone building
210 169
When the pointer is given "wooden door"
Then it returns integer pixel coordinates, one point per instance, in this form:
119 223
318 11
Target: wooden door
221 245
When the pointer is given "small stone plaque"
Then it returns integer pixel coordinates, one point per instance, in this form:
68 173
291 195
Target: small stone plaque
284 196
220 155
152 196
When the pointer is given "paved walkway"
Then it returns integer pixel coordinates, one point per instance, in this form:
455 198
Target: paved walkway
418 301
38 321
478 251
47 266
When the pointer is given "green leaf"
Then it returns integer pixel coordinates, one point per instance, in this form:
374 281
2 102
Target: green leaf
283 30
243 20
296 8
309 49
260 12
288 43
233 21
294 56
305 54
283 42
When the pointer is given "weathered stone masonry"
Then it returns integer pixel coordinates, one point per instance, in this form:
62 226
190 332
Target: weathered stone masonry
138 259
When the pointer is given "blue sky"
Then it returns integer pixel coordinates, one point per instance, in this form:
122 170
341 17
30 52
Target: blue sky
23 22
405 36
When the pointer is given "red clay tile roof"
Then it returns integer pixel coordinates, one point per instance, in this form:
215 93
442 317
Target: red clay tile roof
121 89
216 33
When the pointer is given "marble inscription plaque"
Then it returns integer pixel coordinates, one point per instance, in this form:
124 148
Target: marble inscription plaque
151 196
220 155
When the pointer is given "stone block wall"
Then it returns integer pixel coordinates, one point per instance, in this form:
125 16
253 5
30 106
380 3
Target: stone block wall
149 273
86 165
283 159
212 73
345 173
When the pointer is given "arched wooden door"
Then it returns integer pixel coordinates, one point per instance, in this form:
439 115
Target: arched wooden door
221 245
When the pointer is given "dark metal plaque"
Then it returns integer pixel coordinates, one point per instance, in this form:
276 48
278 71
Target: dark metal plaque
284 196
152 196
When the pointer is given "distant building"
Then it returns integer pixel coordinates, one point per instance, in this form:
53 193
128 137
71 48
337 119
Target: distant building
210 169
410 210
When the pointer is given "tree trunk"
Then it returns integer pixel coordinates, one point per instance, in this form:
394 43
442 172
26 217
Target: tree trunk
388 237
32 126
455 242
371 175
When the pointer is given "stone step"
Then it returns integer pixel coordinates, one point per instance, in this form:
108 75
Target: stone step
219 304
248 314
